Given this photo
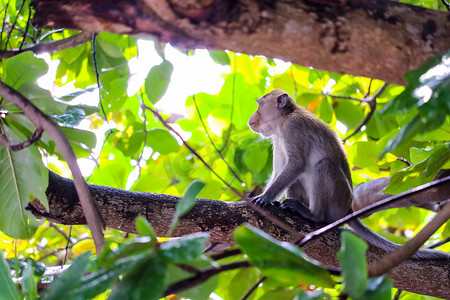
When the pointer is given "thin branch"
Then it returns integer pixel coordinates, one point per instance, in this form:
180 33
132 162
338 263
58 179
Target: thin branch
371 208
253 206
25 33
13 25
213 144
51 46
372 101
402 253
232 105
446 4
438 244
226 253
202 276
36 136
41 120
253 288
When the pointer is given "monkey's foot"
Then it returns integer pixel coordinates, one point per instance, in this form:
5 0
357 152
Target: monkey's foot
296 206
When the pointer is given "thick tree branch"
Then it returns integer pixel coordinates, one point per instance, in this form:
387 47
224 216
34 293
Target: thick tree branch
377 39
119 209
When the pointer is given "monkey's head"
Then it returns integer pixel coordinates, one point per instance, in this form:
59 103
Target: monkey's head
271 109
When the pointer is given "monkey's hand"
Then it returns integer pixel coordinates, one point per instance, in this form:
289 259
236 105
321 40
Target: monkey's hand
261 200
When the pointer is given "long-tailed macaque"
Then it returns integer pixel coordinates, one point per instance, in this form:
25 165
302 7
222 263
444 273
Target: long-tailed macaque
310 166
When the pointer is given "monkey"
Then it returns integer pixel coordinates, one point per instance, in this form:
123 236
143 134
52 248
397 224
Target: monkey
310 166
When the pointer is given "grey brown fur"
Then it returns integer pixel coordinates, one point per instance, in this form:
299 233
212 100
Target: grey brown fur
310 166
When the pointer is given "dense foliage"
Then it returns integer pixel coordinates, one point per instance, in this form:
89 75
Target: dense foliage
98 103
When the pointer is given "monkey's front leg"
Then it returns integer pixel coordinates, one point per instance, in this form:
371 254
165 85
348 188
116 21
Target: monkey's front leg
273 192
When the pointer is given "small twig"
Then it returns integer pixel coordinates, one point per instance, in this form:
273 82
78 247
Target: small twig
232 105
41 120
404 160
26 28
369 209
226 254
438 244
405 251
372 101
36 136
51 46
13 24
213 144
66 249
202 276
397 295
253 288
446 4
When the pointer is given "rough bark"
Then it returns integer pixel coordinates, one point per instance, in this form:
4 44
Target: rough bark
376 39
119 209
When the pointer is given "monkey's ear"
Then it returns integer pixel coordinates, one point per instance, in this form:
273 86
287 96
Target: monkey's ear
282 100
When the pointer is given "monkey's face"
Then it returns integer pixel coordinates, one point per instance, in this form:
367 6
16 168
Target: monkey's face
264 121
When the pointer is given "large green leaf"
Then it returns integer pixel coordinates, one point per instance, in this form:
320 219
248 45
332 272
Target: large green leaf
186 203
282 261
352 259
22 177
157 81
24 67
41 98
8 290
162 141
146 281
183 249
427 94
378 288
420 173
68 280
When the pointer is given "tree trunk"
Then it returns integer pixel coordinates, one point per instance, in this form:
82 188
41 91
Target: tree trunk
377 39
120 208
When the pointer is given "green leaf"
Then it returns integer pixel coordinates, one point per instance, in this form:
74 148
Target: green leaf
378 288
186 203
8 290
420 173
364 154
67 280
29 287
183 249
282 261
82 141
41 98
326 110
97 282
22 177
158 80
313 295
71 96
144 228
348 113
352 259
278 293
427 93
220 57
71 117
162 141
146 281
24 67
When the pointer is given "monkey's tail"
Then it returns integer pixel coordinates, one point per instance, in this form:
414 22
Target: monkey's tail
377 240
